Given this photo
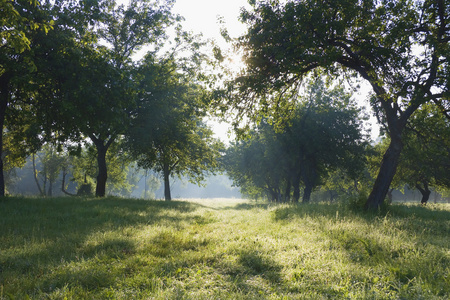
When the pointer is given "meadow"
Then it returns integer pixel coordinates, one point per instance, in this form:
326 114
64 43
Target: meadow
113 248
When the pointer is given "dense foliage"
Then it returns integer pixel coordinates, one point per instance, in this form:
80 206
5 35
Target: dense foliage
67 76
322 135
167 132
71 83
400 48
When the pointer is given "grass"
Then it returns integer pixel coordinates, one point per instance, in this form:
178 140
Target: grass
76 248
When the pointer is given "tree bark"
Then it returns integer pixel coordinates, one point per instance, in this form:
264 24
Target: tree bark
4 99
102 176
166 175
287 192
309 175
296 185
307 193
386 173
63 183
36 177
102 146
425 191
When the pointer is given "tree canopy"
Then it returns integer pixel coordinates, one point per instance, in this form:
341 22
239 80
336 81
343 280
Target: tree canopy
401 48
323 134
167 132
67 73
425 161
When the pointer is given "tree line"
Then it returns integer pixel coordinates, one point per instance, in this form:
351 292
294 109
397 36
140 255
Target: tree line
322 146
401 48
69 77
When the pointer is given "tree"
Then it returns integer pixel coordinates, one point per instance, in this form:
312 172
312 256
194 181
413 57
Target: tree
257 164
425 161
84 169
322 135
401 48
327 135
167 132
20 21
93 95
51 163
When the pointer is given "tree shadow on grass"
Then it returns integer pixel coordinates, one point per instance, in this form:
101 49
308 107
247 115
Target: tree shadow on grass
410 242
254 273
39 235
246 206
288 212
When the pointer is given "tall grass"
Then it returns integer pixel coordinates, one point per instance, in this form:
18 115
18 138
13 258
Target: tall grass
77 248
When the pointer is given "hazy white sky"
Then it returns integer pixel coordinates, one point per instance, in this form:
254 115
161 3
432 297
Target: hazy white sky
201 16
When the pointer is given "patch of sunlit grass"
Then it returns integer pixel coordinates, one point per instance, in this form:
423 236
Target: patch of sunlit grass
229 249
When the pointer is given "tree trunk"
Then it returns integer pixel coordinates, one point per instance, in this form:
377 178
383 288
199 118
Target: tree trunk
386 174
331 193
307 193
425 191
42 193
102 176
166 175
309 175
63 183
296 185
287 192
4 99
102 146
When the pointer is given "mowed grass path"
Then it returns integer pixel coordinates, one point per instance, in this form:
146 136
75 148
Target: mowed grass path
76 248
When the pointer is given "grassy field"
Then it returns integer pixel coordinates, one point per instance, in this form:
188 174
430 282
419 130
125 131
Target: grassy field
75 248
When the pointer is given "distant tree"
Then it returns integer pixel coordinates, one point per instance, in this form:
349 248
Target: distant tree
401 48
83 167
323 135
256 164
425 161
326 134
167 133
50 163
338 184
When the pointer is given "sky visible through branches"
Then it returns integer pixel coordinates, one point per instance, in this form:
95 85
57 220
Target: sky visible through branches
209 16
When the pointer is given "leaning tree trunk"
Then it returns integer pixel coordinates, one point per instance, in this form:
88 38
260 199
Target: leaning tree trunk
386 173
166 175
63 182
425 191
